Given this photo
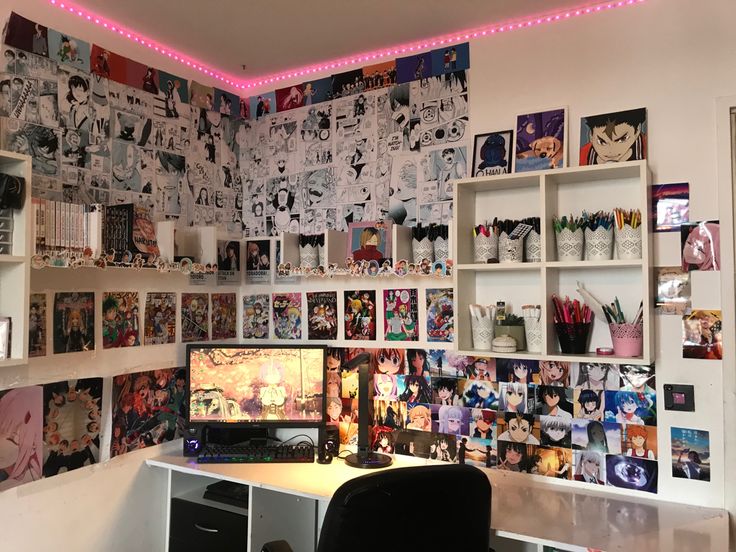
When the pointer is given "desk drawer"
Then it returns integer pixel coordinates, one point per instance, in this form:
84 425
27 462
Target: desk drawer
198 527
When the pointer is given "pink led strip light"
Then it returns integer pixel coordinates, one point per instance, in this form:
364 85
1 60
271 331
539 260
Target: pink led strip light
375 56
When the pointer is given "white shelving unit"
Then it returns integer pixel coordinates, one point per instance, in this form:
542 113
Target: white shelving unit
15 269
546 194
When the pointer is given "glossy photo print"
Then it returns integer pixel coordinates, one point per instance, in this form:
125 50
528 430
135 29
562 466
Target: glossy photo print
690 453
74 322
255 316
673 291
195 317
541 140
21 431
360 315
160 318
120 319
670 206
636 474
613 137
400 311
322 315
492 153
701 335
287 315
701 245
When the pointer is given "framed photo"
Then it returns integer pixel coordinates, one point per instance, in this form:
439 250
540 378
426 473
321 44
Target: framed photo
541 140
492 153
613 137
369 241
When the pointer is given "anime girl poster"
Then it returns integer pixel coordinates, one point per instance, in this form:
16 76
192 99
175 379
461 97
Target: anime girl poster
21 432
454 419
72 424
287 315
74 322
290 97
255 316
41 143
630 407
613 137
400 315
322 315
517 370
701 245
148 408
701 335
541 140
604 437
391 414
639 441
414 443
492 153
69 50
224 316
120 323
195 317
440 315
258 261
173 96
636 474
317 91
589 467
360 315
160 318
444 447
37 325
382 439
670 206
552 462
690 453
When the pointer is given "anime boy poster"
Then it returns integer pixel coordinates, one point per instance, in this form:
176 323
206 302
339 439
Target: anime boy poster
228 262
68 50
440 315
160 318
27 35
701 245
360 315
541 140
287 315
224 316
670 206
415 67
262 105
701 335
258 261
37 325
195 317
148 408
173 96
613 137
120 319
201 96
690 453
74 322
21 431
636 474
492 153
451 58
255 316
72 424
322 315
673 291
107 64
369 241
400 315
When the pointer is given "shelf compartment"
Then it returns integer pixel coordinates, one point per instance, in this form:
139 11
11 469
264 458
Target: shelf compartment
500 267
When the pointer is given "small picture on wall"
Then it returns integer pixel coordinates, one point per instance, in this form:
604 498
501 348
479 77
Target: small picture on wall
613 137
258 261
287 315
670 206
369 241
492 153
120 326
74 322
21 412
541 140
37 325
195 317
322 315
701 245
400 312
255 316
636 474
224 315
673 291
160 319
360 315
690 453
701 335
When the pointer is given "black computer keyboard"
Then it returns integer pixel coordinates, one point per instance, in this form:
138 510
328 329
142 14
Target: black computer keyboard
250 454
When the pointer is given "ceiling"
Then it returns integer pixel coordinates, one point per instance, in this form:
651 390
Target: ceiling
270 37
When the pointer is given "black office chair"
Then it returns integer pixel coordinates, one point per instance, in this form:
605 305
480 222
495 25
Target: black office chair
442 508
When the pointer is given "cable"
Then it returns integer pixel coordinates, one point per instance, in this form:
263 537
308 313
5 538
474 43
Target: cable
308 441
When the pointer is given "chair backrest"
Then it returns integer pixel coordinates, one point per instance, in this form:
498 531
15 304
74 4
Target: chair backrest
443 508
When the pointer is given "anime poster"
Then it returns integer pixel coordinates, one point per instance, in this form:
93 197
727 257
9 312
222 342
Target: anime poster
450 419
414 443
636 474
440 315
517 370
74 322
478 393
382 439
391 414
690 453
400 315
541 140
673 291
670 206
589 467
41 143
173 96
492 153
613 137
552 462
380 75
287 315
639 378
201 96
258 261
262 105
700 243
27 35
290 97
630 407
322 315
69 50
555 431
369 241
255 316
224 316
438 363
477 452
148 408
360 315
588 404
21 431
160 318
443 447
317 91
72 424
519 428
639 441
592 435
451 59
37 325
701 335
108 64
228 262
416 67
195 317
120 319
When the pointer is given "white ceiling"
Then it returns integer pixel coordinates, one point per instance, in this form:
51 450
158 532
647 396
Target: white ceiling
271 36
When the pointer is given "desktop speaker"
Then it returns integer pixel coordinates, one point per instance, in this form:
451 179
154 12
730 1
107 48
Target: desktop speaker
193 440
328 444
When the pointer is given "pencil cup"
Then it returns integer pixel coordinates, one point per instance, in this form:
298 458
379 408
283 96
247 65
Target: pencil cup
510 251
573 338
533 247
628 242
627 339
308 256
485 248
569 245
482 329
533 332
422 249
598 244
441 249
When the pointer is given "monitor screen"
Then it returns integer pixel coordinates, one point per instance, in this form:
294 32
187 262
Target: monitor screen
232 384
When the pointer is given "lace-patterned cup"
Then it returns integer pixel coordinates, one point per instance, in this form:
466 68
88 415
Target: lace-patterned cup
628 242
510 251
485 248
569 245
533 247
598 244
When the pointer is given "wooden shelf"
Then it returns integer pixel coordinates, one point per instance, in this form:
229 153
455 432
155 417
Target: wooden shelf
525 355
499 267
613 263
12 259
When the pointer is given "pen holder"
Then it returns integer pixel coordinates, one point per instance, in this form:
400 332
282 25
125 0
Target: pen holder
517 332
422 249
533 247
510 251
485 248
573 338
308 256
533 333
441 249
569 245
482 330
598 244
628 242
627 339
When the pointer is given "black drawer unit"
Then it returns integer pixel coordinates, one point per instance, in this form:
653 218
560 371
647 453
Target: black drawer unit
197 527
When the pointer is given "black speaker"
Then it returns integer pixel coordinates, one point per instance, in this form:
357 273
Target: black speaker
193 440
328 445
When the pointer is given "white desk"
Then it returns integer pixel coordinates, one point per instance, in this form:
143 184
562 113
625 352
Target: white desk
523 507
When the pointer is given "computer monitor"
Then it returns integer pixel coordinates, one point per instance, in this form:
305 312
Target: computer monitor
263 386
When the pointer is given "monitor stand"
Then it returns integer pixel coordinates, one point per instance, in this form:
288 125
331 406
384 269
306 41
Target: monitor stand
234 435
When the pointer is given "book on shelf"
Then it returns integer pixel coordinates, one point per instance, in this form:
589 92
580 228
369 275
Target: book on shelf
129 230
60 227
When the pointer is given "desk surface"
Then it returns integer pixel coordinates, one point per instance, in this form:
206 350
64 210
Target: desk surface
522 507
